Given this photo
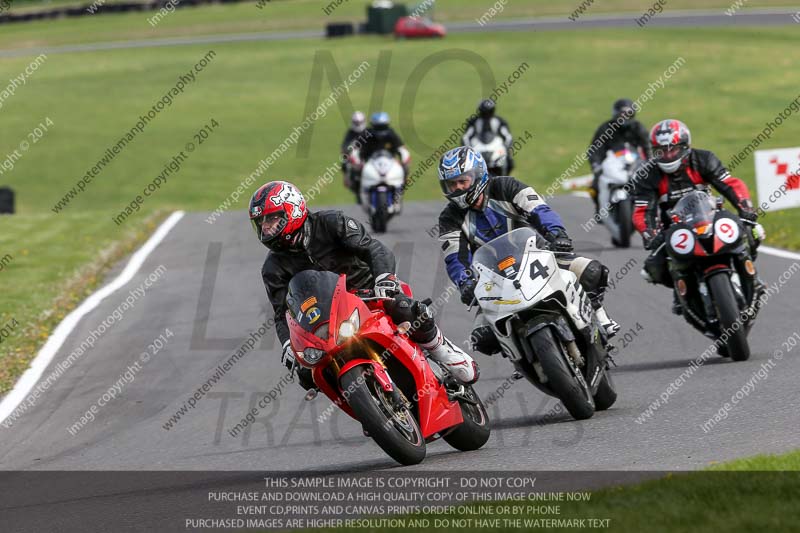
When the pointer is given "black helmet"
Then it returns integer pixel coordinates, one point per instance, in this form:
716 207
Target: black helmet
623 108
486 107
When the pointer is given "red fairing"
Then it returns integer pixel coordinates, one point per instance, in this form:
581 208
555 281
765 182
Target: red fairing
436 412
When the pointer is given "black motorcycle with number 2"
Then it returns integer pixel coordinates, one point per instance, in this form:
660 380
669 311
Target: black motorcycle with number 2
713 274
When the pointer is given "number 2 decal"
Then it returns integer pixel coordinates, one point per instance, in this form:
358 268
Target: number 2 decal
682 241
538 270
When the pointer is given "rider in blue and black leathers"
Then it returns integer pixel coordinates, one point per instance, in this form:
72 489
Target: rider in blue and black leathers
482 209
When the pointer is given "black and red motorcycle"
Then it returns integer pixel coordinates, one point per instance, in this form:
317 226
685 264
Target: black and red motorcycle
370 368
713 273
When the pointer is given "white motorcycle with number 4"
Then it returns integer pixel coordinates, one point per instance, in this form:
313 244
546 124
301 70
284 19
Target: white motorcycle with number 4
544 321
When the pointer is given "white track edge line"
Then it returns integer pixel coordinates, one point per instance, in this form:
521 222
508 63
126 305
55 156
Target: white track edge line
65 327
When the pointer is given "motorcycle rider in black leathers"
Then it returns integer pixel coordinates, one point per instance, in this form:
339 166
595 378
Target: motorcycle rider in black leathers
483 208
300 240
679 170
381 136
487 120
613 135
354 139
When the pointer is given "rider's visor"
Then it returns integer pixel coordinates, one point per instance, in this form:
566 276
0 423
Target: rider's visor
461 183
269 226
669 154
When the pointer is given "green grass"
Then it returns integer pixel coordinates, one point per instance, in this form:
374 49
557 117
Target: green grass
257 92
747 495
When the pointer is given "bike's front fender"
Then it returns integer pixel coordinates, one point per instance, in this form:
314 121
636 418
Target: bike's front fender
380 373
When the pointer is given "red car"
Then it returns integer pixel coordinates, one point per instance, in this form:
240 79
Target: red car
411 27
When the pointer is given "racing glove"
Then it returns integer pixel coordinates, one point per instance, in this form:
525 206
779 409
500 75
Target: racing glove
467 289
559 241
304 377
652 240
387 286
746 210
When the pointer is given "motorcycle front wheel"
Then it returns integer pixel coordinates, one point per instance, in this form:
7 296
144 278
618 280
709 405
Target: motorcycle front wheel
719 285
575 396
394 429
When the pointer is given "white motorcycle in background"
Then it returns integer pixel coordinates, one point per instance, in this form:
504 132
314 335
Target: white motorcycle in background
382 189
494 152
544 321
618 169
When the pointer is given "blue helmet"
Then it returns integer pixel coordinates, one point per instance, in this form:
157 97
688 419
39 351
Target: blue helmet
463 162
379 119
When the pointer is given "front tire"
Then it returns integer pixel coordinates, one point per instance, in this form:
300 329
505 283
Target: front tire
474 431
397 433
380 217
719 285
561 380
624 213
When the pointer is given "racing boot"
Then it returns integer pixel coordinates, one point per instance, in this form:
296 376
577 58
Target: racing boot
610 325
460 365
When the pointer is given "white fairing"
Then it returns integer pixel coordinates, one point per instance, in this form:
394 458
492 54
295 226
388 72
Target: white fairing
539 279
494 152
617 170
381 169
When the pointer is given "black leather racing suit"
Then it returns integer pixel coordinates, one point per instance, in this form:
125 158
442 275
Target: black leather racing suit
337 243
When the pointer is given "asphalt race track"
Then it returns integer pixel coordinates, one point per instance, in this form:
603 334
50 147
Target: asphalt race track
211 298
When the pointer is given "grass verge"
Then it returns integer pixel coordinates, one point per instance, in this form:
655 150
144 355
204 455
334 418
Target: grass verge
747 495
50 273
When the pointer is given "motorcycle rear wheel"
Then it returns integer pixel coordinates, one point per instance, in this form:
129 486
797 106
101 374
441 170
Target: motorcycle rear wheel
606 393
474 431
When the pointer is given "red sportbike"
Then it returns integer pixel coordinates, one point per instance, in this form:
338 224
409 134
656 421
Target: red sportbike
370 368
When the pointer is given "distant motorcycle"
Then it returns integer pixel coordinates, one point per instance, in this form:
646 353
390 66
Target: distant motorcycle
381 191
544 321
371 369
617 171
494 152
715 283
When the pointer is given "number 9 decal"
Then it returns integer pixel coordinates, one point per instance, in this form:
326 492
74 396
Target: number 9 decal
727 230
682 241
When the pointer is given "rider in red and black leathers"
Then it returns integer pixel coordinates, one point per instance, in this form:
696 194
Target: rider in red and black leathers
680 169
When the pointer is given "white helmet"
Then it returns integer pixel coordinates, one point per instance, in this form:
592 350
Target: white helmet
358 122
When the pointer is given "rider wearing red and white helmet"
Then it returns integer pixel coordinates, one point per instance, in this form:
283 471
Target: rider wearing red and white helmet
675 170
331 241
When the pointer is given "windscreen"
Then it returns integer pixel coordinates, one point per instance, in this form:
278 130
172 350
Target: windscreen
695 208
310 297
503 255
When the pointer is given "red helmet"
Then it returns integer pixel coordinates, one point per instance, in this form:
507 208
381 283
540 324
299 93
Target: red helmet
672 143
278 212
